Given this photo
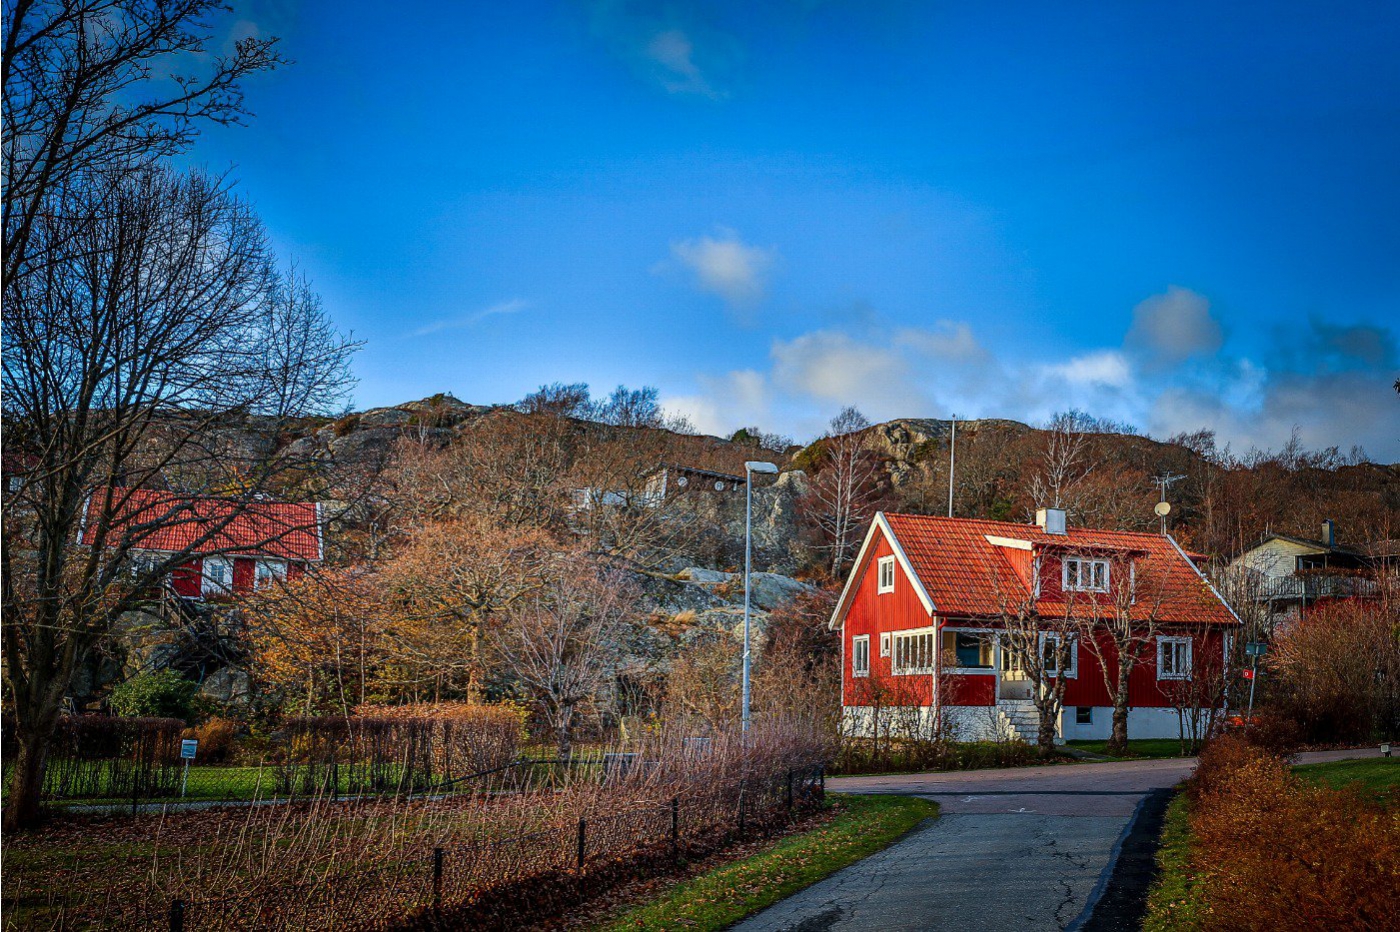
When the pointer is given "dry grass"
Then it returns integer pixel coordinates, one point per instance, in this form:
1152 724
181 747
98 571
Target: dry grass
362 864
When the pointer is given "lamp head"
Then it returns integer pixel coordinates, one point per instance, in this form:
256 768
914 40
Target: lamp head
767 469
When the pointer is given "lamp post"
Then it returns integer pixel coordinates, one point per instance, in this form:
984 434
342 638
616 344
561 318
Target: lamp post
750 469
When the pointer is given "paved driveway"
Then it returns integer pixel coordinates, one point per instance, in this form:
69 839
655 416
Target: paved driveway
1025 848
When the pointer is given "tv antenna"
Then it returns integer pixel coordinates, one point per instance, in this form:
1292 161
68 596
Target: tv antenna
1163 507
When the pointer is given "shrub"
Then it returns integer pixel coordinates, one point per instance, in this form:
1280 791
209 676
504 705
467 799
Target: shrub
1271 851
1338 671
105 756
165 694
398 748
215 737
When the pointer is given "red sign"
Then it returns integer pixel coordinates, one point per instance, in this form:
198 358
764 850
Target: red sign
1247 674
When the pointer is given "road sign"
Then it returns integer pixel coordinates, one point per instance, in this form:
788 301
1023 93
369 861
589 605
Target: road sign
188 747
1247 673
1255 649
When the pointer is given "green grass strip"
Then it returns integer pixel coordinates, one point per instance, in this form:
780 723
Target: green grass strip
1173 904
1137 747
723 896
1379 777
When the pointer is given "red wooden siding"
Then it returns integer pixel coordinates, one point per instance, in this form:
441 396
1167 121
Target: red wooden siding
871 613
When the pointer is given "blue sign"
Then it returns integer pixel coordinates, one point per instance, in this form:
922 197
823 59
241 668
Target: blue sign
187 748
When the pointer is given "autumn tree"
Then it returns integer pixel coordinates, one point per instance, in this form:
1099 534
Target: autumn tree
798 672
450 581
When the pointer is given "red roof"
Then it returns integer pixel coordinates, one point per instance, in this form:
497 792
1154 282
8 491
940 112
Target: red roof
966 574
172 523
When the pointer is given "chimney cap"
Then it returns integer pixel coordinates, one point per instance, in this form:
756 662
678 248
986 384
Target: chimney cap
1051 520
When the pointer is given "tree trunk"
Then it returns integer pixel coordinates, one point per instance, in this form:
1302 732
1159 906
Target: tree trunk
563 740
27 780
1118 741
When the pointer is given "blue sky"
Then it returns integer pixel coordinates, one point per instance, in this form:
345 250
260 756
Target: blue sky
1183 217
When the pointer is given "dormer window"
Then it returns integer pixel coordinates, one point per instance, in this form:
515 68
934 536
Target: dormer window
886 571
1084 575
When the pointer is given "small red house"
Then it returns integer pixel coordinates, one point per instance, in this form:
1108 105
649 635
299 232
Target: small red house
231 547
921 612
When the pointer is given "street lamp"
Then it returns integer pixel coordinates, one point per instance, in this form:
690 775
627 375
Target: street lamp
750 469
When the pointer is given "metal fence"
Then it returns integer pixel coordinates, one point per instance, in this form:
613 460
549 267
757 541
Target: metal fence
504 883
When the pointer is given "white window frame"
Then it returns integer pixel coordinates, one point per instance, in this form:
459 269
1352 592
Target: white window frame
885 570
1084 708
929 650
885 644
1173 641
1073 673
267 572
208 585
972 671
858 642
1080 563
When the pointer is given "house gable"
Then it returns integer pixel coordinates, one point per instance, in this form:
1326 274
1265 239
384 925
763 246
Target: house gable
879 541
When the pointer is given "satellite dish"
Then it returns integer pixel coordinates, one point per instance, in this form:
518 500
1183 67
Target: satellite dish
1162 509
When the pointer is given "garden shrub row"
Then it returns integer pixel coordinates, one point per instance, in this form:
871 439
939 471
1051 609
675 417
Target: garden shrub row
1270 850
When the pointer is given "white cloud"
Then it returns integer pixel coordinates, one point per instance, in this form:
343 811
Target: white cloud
948 340
833 366
672 45
673 51
1104 367
725 403
725 266
513 306
1172 327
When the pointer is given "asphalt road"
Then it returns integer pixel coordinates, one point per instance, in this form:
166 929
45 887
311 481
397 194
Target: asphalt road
1023 848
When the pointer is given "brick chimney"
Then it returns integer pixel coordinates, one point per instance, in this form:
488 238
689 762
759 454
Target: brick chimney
1329 532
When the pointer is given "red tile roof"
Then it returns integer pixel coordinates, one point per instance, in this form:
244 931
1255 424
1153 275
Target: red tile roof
965 574
169 522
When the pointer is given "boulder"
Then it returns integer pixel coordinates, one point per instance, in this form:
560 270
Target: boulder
227 687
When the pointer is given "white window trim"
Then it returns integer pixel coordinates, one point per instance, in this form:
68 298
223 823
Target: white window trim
973 671
274 570
1064 574
1162 642
931 632
885 644
1073 673
883 565
207 585
855 669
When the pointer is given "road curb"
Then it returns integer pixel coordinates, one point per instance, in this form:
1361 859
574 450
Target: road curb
1119 899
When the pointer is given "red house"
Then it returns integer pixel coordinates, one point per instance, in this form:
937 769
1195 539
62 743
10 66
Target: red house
922 621
230 547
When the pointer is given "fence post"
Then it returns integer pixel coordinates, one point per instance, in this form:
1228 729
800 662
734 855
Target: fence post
675 828
437 878
177 915
741 808
821 775
789 790
582 837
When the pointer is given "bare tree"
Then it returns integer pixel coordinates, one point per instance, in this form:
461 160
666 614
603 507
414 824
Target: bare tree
154 332
846 492
80 100
562 647
1043 647
1119 627
1065 460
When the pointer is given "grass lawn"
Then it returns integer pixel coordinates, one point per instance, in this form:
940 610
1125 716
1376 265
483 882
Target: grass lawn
1173 903
720 897
1142 748
1379 777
